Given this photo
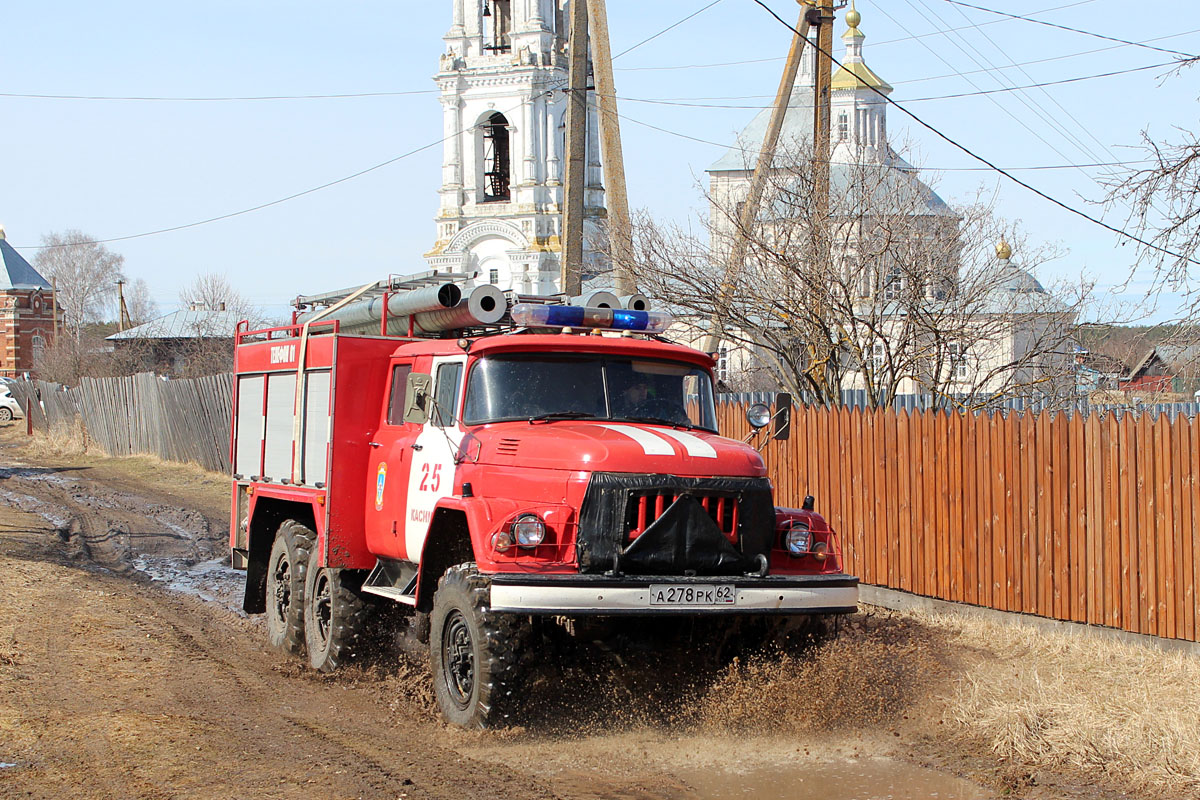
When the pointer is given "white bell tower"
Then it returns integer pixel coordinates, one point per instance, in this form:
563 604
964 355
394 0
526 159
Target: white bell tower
501 81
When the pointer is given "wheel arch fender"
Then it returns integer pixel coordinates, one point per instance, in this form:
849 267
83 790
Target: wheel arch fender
266 515
448 543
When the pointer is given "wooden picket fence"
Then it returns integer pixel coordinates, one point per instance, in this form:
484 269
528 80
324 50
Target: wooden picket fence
179 420
1087 519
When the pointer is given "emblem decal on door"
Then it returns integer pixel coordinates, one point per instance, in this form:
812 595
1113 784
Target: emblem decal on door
380 480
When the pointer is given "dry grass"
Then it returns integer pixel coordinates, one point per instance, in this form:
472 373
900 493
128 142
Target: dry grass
1083 704
69 440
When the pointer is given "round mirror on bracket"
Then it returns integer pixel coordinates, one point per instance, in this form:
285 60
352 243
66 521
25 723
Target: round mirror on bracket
758 415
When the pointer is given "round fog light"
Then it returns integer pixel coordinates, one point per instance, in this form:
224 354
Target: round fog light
758 415
529 530
797 540
501 541
820 551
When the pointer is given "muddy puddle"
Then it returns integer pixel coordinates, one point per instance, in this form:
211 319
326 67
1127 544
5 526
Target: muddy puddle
856 779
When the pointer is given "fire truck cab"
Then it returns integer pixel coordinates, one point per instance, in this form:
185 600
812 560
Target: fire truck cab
490 480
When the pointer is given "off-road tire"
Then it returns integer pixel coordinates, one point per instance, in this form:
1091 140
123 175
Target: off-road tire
286 570
6 414
335 616
477 656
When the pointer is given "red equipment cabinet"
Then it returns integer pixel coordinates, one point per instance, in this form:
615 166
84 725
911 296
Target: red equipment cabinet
489 480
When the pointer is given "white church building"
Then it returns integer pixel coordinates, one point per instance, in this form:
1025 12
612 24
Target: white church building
502 81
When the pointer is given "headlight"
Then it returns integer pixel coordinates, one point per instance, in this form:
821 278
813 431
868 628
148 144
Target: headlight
528 530
797 539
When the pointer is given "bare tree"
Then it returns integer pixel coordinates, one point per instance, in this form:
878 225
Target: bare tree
142 307
891 292
1164 199
85 274
214 292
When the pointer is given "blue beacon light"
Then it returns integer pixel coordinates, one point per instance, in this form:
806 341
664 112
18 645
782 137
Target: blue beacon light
532 315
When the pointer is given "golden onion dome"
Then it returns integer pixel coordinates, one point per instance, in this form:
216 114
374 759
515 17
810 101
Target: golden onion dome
1003 251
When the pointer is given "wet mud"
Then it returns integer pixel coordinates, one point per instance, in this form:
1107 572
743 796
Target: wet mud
128 670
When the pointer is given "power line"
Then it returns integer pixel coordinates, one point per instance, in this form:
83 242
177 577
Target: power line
1095 221
1035 168
261 206
1072 30
212 99
683 102
668 28
718 64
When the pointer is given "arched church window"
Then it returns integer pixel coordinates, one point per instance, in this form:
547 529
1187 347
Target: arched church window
496 159
500 14
39 348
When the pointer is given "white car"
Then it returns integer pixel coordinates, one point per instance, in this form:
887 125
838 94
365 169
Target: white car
9 407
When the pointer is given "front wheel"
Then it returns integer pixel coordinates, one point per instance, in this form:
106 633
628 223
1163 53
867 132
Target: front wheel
6 414
475 654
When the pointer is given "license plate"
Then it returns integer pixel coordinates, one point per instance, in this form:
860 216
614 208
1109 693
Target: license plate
671 594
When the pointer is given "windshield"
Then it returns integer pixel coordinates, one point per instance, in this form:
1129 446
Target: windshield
541 386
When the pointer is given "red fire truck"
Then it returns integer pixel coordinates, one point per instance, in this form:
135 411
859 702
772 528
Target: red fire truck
560 464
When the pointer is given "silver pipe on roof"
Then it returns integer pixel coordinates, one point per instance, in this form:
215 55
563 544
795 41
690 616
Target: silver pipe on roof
635 302
596 299
369 312
485 305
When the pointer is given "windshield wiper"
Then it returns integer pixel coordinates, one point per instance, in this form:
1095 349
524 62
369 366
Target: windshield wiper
562 415
661 421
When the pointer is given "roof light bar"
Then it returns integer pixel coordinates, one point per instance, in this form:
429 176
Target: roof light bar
531 315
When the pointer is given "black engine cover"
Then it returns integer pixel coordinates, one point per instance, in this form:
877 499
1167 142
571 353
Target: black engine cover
684 539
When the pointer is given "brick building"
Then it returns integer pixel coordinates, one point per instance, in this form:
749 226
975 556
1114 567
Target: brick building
26 313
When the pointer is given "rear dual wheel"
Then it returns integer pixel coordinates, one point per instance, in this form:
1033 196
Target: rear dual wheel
286 571
335 616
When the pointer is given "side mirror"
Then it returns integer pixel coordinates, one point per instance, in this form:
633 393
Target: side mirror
783 416
416 398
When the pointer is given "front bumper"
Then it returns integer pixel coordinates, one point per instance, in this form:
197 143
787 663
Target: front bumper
587 595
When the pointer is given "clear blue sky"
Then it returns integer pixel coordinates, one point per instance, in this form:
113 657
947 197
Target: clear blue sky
119 167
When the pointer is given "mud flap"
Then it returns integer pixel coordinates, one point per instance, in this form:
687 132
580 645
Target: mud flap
684 539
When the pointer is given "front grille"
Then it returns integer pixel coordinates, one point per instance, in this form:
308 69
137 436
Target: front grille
646 507
619 507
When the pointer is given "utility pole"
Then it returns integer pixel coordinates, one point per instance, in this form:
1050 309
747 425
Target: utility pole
575 189
620 230
123 312
821 110
54 309
762 168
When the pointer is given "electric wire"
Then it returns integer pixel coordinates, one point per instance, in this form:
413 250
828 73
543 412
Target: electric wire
1050 121
1072 30
685 103
719 64
670 27
147 98
293 196
913 116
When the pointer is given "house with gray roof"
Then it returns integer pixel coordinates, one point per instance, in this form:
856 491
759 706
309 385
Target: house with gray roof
191 341
27 313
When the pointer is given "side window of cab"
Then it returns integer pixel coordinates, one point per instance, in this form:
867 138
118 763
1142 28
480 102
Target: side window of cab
395 410
446 394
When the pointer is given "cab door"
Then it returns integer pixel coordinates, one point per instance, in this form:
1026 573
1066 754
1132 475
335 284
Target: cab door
433 465
388 467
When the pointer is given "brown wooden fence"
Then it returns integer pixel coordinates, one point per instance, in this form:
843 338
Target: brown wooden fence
1081 518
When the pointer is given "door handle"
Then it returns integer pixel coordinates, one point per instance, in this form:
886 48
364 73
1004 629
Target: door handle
375 444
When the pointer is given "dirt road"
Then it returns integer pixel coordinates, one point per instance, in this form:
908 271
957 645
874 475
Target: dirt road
126 670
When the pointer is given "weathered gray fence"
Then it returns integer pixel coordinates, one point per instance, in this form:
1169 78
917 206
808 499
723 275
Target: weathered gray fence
176 420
